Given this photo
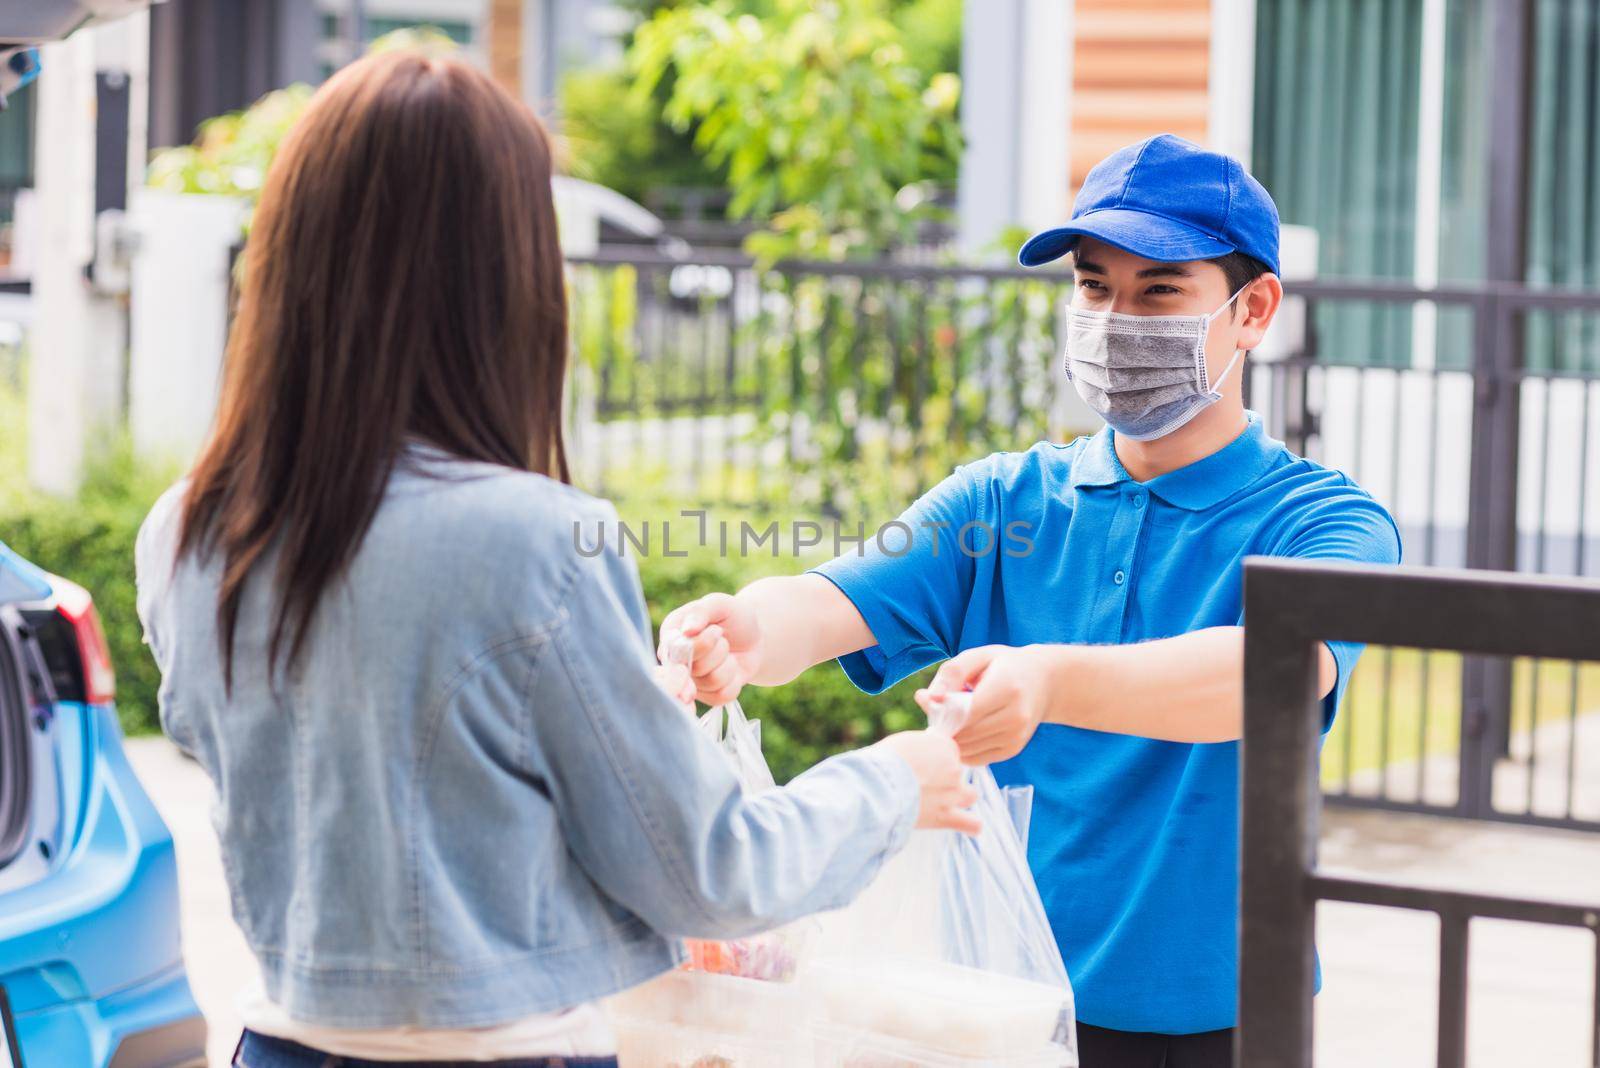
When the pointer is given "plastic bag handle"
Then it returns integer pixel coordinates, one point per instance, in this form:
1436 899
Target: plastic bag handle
679 650
950 712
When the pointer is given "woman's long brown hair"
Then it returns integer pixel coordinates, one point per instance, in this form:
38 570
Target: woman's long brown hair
402 279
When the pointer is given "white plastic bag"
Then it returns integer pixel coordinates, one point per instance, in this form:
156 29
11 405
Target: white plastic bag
732 1004
948 958
773 956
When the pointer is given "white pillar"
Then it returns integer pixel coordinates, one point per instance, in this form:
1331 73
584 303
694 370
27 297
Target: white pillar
536 60
1430 172
1016 86
63 322
179 326
1230 92
78 339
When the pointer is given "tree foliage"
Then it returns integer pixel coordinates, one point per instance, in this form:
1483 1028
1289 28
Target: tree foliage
820 117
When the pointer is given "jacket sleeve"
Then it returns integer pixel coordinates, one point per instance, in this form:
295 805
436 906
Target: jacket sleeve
153 563
650 807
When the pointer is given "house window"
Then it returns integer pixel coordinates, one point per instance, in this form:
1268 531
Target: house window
1371 125
333 50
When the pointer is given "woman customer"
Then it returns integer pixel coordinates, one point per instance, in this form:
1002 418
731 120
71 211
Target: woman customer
455 806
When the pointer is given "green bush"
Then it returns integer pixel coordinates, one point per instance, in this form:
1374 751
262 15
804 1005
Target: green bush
90 540
818 114
616 138
818 714
232 152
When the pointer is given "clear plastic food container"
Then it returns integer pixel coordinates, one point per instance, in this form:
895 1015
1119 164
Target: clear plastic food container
701 1020
839 1047
943 1010
656 1045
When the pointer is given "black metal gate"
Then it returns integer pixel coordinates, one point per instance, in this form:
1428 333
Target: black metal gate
1291 606
1487 459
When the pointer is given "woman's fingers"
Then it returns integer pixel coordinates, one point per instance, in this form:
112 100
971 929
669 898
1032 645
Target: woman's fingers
953 814
717 659
965 822
675 680
722 678
719 697
704 646
964 796
693 620
705 651
713 608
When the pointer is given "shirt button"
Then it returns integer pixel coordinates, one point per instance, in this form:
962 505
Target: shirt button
1138 500
1120 577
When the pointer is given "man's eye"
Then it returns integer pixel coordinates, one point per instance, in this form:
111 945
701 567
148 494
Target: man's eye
1161 291
1089 283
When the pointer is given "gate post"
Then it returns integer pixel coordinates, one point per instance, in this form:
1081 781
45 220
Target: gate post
1280 801
1497 394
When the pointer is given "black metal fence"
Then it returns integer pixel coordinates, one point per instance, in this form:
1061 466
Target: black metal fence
1293 605
849 388
1485 453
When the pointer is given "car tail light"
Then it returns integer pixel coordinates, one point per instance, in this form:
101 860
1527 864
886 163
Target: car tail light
77 608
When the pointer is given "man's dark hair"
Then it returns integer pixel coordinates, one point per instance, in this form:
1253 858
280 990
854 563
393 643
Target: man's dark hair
1240 270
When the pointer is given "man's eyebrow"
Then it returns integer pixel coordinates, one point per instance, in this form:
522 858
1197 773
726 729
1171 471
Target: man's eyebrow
1165 270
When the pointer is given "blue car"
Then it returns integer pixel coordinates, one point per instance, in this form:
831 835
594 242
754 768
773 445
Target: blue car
90 970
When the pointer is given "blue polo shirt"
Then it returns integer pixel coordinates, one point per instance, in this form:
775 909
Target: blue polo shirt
1133 842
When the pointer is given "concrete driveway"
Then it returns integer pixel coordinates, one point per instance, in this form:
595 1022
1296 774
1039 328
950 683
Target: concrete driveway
1531 987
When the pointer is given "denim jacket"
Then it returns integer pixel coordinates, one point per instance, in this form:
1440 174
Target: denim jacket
468 800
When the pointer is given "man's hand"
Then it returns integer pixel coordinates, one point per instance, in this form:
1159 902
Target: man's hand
725 644
1010 697
1187 688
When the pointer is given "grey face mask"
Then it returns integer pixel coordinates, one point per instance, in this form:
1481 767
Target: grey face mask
1144 374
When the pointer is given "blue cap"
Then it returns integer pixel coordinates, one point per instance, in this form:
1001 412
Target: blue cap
1167 199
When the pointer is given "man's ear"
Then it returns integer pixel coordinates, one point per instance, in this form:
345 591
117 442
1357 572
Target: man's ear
1260 301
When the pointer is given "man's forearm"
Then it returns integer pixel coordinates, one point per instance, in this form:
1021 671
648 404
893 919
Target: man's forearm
1188 688
805 620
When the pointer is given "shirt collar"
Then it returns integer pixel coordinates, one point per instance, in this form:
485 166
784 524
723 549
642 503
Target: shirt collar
1206 482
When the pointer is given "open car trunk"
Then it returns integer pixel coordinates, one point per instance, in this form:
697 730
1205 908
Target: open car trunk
27 771
36 21
15 764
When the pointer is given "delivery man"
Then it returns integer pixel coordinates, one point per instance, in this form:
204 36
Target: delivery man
1089 594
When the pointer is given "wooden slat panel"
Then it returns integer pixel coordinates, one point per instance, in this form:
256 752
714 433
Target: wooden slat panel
1122 24
1083 7
1144 65
1140 67
1103 107
505 44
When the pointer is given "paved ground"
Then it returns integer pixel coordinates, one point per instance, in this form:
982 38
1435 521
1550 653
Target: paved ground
1531 987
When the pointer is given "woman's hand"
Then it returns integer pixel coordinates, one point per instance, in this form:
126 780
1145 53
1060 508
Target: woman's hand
725 644
1011 690
946 794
